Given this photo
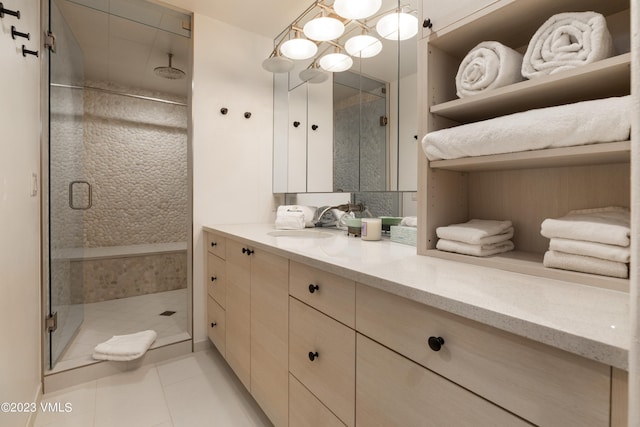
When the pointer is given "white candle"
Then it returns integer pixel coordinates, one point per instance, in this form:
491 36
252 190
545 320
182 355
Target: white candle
371 228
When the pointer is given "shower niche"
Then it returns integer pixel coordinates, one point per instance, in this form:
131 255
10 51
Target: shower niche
119 243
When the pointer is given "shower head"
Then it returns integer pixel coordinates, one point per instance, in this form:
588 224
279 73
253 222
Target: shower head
169 72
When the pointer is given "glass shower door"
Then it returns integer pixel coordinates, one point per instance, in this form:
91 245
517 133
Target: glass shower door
69 193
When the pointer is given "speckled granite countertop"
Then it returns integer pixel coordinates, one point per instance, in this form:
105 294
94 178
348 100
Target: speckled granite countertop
584 320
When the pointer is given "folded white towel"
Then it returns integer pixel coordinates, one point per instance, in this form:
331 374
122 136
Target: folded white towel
290 221
125 347
610 225
308 211
477 231
565 41
586 122
592 249
475 250
489 65
409 221
585 264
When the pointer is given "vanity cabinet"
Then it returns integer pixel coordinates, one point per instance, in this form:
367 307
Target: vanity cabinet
216 290
525 187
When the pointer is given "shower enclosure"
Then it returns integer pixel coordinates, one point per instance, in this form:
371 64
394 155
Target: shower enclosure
118 210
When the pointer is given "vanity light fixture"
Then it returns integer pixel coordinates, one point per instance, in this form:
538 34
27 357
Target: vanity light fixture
336 62
277 63
298 48
363 46
323 28
397 26
356 9
313 74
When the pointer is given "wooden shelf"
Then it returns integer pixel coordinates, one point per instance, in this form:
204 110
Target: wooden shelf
582 155
531 263
606 78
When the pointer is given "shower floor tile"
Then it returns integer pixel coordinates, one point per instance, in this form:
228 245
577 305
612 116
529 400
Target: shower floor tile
102 320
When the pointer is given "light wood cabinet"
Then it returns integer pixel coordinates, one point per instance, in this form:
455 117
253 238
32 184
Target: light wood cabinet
216 283
216 244
305 410
525 187
216 328
394 391
322 357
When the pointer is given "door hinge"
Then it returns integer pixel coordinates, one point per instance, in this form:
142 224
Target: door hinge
50 41
51 322
383 120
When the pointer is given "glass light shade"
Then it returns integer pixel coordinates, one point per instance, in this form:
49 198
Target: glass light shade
397 26
299 49
278 64
313 75
363 46
323 29
336 62
356 9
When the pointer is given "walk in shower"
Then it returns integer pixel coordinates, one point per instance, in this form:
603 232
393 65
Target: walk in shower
119 207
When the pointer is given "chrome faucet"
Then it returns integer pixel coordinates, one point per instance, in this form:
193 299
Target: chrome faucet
347 207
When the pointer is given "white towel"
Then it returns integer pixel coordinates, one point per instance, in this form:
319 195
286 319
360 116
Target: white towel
585 264
409 221
125 347
489 65
309 212
581 123
477 232
592 249
610 225
290 221
475 250
565 41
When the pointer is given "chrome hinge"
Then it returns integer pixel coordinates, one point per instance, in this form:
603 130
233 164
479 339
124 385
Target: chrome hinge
50 41
51 322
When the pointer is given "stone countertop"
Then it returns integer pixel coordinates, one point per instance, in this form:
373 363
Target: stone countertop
584 320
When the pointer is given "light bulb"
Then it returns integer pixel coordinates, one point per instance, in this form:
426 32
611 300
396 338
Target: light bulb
356 9
397 26
323 29
363 46
299 49
336 62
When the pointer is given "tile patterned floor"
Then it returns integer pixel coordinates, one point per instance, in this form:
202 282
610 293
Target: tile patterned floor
102 320
190 391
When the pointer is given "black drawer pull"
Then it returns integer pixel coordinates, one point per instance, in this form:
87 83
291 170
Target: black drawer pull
435 343
313 288
4 11
214 244
214 324
247 251
214 278
313 356
314 127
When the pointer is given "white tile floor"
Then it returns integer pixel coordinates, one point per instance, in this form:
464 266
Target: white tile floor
190 391
102 320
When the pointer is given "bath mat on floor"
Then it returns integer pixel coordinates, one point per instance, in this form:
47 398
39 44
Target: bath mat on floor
125 347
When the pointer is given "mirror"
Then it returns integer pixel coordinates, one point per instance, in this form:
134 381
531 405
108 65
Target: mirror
357 130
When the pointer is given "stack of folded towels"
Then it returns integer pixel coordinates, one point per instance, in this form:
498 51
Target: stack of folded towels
294 217
590 241
476 237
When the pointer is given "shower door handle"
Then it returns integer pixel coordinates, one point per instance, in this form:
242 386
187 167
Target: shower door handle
89 202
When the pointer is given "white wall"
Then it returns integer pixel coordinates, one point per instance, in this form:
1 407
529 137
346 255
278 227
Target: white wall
20 365
232 156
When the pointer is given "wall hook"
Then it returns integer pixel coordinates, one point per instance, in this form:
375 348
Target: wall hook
427 23
247 115
296 124
224 110
15 13
17 33
314 127
26 52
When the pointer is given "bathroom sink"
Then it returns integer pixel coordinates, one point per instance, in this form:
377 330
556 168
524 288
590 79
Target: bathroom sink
304 234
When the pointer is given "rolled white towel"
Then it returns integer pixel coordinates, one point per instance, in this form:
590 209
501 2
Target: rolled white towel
125 347
489 65
585 264
475 250
290 220
409 221
592 249
581 123
609 225
477 232
565 41
308 212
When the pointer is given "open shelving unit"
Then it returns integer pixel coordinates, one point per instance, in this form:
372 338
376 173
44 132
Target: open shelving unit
525 187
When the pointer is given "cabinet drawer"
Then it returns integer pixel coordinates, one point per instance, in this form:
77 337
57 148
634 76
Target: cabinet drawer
305 410
216 244
392 390
330 376
540 383
216 283
331 294
216 325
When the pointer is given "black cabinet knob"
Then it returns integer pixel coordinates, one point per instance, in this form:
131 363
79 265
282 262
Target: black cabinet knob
313 288
247 251
214 324
314 127
435 343
313 356
427 23
296 124
214 244
214 278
